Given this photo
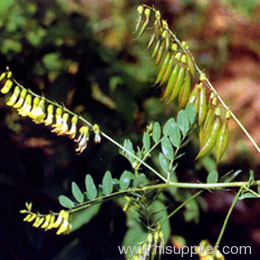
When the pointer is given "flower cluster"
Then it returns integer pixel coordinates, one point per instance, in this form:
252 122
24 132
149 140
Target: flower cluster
59 221
43 111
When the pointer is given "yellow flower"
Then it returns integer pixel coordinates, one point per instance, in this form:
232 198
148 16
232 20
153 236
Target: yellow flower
49 119
62 127
73 129
82 139
39 114
26 108
20 101
7 86
14 96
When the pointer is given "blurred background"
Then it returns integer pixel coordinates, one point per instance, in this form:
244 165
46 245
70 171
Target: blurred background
83 53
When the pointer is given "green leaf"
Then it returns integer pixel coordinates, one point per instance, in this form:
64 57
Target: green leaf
133 237
229 176
212 177
167 148
251 178
183 121
125 180
164 162
76 192
191 112
90 187
248 195
52 61
139 180
156 132
5 4
83 217
66 202
258 188
128 145
168 126
146 142
175 136
159 212
107 183
191 212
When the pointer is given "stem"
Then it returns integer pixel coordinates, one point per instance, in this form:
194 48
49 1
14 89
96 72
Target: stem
227 218
146 155
253 192
183 185
181 206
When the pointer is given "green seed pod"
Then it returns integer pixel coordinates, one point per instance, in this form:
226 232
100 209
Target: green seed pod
165 35
14 96
140 10
20 101
7 86
150 41
178 83
194 96
147 13
222 141
163 68
209 143
184 92
159 54
190 64
205 129
156 48
172 80
168 70
203 107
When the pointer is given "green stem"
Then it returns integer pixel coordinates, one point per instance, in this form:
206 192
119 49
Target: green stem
183 185
253 192
147 154
227 218
181 206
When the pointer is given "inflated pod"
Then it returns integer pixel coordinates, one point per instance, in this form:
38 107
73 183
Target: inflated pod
194 96
222 141
211 140
184 92
159 54
156 48
163 68
205 129
202 105
172 80
170 67
190 64
178 83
